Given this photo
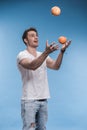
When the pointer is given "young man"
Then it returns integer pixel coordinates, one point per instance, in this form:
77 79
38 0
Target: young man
32 65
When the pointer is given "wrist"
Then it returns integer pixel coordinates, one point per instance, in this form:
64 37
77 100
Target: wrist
46 52
62 51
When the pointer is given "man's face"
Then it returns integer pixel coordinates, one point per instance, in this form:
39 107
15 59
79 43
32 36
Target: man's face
32 39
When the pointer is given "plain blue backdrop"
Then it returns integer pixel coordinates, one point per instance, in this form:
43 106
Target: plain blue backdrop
68 86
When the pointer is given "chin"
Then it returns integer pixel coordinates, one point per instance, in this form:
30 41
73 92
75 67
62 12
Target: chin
36 45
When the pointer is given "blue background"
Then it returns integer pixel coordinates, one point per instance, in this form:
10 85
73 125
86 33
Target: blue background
68 86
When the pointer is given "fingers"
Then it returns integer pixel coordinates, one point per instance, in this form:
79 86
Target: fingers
56 47
64 46
68 43
47 43
52 44
52 47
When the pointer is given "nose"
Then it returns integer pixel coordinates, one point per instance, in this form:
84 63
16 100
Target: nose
36 37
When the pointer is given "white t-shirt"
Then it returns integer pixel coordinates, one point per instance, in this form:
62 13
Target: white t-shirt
35 83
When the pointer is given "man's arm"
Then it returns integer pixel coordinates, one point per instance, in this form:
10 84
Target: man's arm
26 63
55 64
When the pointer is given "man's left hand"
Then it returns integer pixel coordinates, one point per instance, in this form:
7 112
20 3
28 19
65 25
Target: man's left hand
64 46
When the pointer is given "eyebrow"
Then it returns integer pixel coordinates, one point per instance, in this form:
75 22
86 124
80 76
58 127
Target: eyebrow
34 34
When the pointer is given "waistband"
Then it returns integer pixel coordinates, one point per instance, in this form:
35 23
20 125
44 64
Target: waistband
41 100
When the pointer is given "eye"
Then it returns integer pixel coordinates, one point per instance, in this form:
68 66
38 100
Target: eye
33 35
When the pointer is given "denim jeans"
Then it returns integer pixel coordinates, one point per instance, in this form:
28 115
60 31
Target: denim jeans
34 114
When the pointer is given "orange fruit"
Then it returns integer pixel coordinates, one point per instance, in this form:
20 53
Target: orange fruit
55 11
62 39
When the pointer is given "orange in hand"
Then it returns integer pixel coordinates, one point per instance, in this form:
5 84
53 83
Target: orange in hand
62 39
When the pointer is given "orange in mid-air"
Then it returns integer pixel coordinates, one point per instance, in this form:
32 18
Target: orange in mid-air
55 11
62 39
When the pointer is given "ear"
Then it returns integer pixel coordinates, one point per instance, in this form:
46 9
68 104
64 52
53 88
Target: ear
25 40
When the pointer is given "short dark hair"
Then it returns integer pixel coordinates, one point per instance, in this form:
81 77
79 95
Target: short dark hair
26 31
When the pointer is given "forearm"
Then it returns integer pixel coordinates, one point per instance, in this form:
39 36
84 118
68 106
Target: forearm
58 61
38 61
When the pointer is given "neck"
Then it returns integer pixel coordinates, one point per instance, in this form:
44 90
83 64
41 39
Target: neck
32 50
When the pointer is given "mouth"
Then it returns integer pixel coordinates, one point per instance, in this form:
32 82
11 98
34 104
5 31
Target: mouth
36 41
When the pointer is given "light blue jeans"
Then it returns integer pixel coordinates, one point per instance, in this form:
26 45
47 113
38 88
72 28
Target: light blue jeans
34 114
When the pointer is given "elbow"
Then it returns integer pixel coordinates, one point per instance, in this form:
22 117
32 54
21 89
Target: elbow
33 68
30 68
57 67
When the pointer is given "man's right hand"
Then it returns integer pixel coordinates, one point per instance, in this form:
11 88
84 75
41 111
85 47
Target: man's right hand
52 47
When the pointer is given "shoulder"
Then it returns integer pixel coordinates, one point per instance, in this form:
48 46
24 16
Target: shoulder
24 53
21 52
21 55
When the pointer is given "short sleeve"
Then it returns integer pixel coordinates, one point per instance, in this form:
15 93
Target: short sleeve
48 57
21 55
